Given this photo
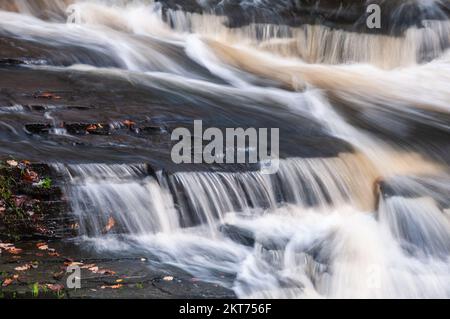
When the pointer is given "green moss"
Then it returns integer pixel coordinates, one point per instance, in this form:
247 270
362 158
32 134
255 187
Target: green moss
13 216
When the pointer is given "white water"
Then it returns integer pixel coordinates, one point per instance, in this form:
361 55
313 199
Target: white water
321 227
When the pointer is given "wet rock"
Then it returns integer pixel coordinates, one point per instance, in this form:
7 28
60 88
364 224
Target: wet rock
38 129
130 278
9 61
87 128
436 187
32 210
242 236
350 15
154 111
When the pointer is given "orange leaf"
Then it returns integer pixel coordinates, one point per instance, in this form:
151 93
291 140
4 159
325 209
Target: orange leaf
31 176
47 95
91 128
42 246
7 282
128 123
14 251
111 224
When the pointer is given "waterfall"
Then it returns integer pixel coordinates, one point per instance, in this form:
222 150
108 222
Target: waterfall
123 192
359 207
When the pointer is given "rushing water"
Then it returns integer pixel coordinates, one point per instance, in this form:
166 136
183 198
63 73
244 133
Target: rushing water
370 219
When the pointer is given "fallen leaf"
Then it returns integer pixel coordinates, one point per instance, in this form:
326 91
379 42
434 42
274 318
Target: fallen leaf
97 270
31 176
47 95
106 272
39 255
55 287
6 246
128 123
111 224
73 263
12 163
7 282
14 251
42 246
87 266
93 269
168 278
118 286
23 268
53 254
91 128
119 280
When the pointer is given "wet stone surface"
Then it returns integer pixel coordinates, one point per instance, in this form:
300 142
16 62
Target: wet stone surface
41 273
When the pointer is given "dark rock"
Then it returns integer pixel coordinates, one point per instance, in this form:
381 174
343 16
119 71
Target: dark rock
350 15
87 128
9 61
238 234
38 128
33 211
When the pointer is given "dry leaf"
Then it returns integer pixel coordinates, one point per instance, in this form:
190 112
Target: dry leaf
87 266
24 267
12 163
97 270
47 95
7 282
55 287
91 128
6 246
73 263
128 123
106 272
111 224
118 286
93 269
14 251
31 176
53 254
42 246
